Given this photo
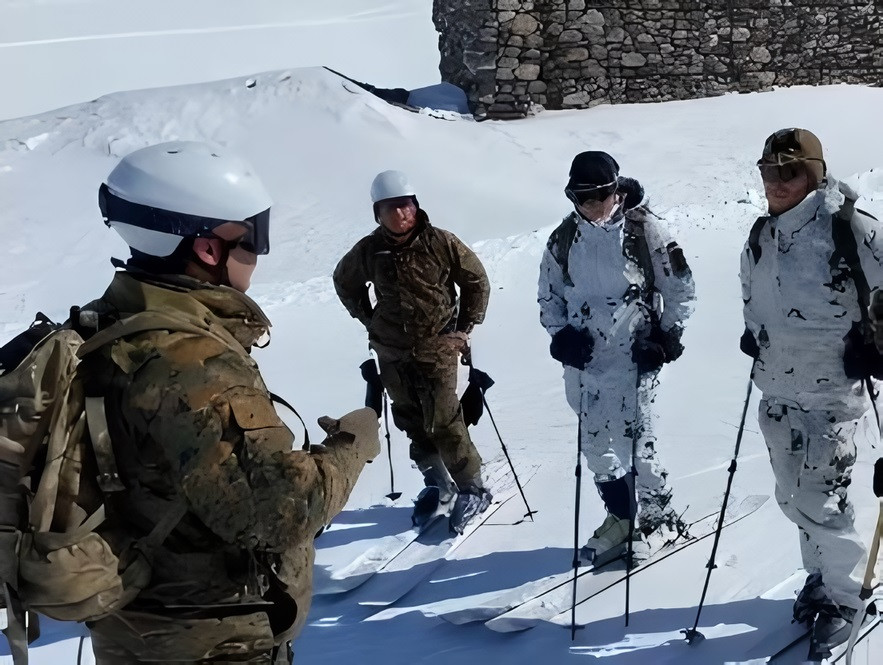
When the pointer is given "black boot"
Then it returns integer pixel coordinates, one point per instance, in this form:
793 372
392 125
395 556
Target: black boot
470 502
425 506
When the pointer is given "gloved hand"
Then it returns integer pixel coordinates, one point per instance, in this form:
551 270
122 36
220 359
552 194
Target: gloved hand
355 435
572 347
648 355
748 344
458 341
861 358
671 343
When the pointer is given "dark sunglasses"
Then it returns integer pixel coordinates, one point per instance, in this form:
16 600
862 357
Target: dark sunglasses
779 172
595 193
255 239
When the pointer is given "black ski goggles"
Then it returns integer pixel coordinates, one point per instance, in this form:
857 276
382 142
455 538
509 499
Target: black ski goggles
580 195
256 229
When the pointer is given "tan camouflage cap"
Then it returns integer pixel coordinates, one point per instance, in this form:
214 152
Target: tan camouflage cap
795 144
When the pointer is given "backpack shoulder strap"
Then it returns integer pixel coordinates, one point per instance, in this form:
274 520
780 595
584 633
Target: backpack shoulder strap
559 245
146 321
754 237
636 248
846 248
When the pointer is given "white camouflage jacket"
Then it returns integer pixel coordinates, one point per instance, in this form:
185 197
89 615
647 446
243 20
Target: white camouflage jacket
595 287
799 306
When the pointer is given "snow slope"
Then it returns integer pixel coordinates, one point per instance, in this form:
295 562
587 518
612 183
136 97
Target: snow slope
317 141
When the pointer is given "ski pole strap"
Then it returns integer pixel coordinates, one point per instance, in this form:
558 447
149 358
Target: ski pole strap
276 398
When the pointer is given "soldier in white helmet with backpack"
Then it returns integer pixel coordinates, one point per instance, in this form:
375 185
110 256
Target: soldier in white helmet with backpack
167 508
418 325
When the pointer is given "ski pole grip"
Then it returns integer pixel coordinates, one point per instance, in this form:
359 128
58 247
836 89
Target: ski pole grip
878 478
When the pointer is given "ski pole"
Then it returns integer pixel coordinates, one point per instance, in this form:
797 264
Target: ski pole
868 583
393 495
375 395
529 513
691 634
578 472
482 381
632 508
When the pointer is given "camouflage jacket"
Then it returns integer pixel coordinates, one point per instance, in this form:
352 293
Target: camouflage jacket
192 425
414 286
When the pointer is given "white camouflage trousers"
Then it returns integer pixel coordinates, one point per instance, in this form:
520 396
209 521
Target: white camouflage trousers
812 454
606 402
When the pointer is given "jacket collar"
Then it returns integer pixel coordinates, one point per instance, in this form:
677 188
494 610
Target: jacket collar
827 199
132 292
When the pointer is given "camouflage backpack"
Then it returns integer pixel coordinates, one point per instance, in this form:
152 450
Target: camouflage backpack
56 465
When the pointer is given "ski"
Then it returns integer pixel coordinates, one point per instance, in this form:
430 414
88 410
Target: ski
382 554
421 560
840 653
555 597
786 634
797 637
794 639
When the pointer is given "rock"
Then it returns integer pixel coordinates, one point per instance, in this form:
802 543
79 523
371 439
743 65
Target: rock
527 72
575 55
570 37
633 60
760 54
524 24
616 35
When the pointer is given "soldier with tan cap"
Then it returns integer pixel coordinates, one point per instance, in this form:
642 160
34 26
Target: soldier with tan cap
808 271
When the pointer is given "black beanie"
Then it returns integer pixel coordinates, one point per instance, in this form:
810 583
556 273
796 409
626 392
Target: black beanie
592 169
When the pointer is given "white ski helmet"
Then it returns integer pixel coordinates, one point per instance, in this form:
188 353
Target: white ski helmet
160 194
391 185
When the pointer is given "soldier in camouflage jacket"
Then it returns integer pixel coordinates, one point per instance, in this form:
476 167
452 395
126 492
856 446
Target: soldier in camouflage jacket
417 325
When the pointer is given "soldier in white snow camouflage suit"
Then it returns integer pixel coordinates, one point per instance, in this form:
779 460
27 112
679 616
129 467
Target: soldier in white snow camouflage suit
605 273
807 272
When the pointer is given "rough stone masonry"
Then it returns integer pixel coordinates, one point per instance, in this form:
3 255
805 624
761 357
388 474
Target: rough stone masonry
513 57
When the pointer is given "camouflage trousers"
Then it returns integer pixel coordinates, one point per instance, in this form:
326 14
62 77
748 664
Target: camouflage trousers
423 387
812 454
127 637
609 410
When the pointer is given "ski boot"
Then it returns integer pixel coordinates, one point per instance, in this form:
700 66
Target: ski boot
470 502
831 629
611 541
426 505
437 494
812 600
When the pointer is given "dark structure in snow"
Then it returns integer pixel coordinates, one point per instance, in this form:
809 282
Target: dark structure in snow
509 55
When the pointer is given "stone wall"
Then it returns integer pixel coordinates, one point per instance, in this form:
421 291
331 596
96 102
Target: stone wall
512 56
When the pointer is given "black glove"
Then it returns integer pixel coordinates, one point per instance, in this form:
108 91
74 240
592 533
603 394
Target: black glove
861 359
671 343
648 355
572 347
749 345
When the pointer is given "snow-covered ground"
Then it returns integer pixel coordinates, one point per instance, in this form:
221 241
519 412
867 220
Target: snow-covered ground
317 142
